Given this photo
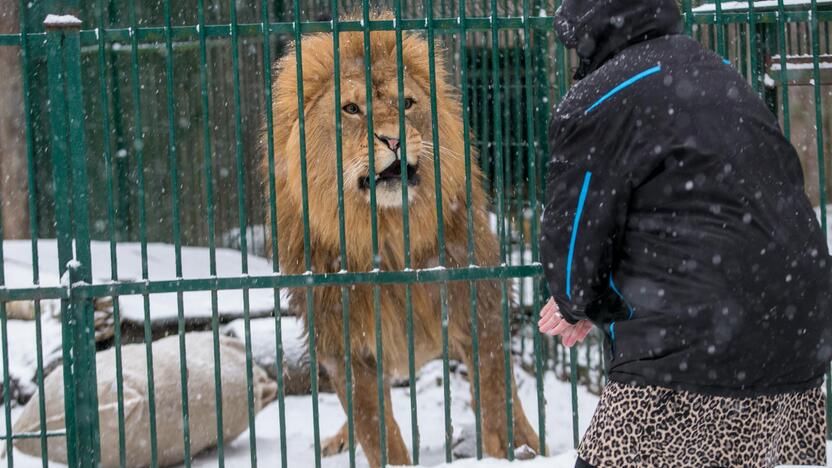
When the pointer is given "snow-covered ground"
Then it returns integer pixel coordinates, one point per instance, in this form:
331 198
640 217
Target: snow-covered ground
730 6
299 429
17 256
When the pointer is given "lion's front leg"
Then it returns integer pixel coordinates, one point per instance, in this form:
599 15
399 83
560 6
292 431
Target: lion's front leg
366 414
492 370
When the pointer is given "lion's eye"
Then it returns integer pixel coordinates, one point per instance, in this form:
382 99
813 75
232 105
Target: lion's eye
408 103
351 108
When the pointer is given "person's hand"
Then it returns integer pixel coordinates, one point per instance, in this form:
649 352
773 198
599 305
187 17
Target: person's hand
553 324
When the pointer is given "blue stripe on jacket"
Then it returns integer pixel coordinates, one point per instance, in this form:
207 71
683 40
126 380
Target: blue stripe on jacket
626 84
575 226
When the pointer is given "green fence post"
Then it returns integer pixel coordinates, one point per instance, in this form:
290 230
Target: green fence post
66 113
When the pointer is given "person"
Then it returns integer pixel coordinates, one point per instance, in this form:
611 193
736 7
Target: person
676 221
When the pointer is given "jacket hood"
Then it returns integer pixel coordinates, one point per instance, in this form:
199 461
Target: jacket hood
600 29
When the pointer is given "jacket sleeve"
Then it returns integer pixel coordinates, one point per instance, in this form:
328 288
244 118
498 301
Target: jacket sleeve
588 188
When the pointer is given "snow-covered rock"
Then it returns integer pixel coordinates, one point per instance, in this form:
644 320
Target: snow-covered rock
23 354
264 349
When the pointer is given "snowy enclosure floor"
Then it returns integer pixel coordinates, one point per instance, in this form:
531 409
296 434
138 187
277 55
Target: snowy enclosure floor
728 6
299 431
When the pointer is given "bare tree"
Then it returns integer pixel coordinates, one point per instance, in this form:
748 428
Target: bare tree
13 183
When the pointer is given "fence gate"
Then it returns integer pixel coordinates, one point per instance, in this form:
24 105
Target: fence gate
137 134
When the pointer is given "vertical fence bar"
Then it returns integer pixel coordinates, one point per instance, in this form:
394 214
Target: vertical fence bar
111 228
342 238
177 238
500 194
534 219
469 215
411 358
368 90
84 346
241 209
58 140
488 88
69 158
754 38
380 382
34 230
782 34
307 254
542 98
210 213
816 85
741 51
4 354
688 9
719 25
121 162
69 169
440 227
138 148
573 381
278 329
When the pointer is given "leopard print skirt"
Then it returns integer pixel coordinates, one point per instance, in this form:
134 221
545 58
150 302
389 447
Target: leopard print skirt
658 427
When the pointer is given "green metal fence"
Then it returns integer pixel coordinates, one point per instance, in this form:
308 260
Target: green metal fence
144 123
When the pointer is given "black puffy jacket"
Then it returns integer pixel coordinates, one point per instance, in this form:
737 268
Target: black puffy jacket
676 217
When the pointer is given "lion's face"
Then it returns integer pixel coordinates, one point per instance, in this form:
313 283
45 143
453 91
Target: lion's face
316 154
388 149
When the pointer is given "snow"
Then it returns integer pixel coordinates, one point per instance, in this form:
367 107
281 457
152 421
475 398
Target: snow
23 350
758 4
829 218
17 256
61 21
299 430
802 66
566 460
263 342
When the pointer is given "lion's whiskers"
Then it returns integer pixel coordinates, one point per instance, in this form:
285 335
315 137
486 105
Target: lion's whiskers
444 151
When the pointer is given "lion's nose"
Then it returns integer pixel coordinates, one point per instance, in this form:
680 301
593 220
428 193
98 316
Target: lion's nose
392 143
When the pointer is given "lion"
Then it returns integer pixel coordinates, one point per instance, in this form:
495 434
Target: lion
323 229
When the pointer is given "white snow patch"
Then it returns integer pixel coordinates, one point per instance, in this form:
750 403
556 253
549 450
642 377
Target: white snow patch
23 352
802 66
263 340
758 4
299 430
17 256
61 21
829 219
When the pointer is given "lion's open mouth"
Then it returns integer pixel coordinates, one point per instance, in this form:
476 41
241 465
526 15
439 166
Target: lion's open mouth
392 176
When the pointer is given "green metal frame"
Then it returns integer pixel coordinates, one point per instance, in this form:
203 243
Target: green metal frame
510 73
